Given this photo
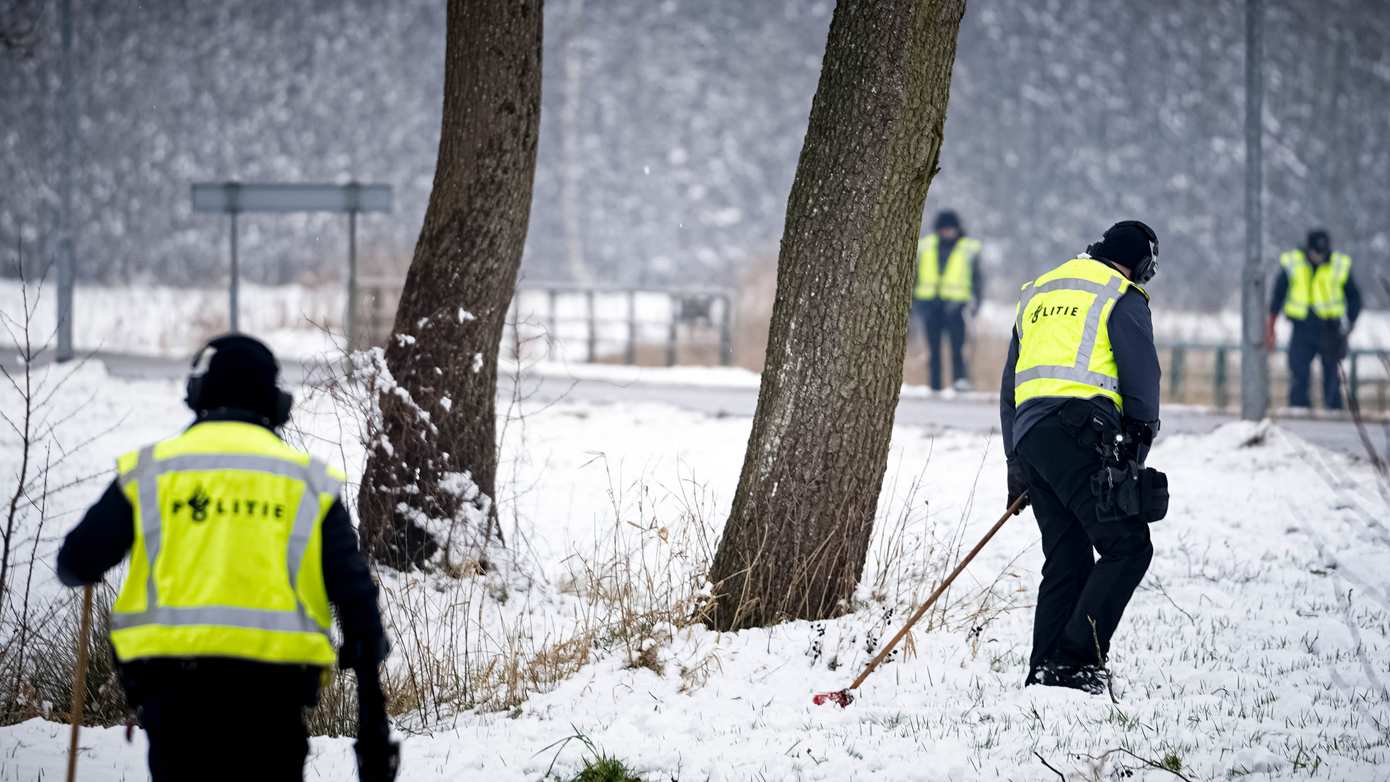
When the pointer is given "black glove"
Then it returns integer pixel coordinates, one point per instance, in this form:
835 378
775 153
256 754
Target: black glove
358 654
1138 439
378 759
1334 339
1018 483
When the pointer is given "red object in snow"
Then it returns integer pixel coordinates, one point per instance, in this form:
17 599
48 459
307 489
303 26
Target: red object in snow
841 697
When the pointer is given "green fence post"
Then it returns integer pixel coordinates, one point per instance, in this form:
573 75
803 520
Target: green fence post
1219 393
1175 373
1352 378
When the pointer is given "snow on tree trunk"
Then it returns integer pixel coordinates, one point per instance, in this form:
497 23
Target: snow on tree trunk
797 535
431 469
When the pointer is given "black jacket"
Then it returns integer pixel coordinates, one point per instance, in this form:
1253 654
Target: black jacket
107 531
1136 358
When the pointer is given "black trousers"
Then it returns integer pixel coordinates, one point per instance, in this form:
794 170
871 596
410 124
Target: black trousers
940 318
1311 339
1081 599
225 720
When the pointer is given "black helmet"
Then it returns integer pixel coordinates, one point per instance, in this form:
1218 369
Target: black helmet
1131 244
1319 241
947 218
237 372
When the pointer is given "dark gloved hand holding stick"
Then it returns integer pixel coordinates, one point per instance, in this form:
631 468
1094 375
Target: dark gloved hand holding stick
378 756
1018 484
1334 338
1138 438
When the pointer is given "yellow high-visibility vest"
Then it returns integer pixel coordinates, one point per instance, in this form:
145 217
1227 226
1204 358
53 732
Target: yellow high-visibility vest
1323 288
1063 325
227 559
956 282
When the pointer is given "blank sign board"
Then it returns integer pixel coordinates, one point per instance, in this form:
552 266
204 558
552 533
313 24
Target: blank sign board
251 197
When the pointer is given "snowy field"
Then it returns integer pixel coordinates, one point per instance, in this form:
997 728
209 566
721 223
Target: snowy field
1258 646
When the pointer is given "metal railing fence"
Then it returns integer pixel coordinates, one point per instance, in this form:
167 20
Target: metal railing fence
1209 373
594 323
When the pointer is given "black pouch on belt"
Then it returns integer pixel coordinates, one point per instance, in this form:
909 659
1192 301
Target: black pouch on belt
1153 495
1128 491
1081 418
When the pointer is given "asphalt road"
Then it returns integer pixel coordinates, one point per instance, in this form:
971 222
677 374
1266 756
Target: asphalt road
973 412
970 412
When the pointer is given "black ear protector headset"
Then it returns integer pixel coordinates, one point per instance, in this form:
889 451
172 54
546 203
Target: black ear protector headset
1145 269
193 388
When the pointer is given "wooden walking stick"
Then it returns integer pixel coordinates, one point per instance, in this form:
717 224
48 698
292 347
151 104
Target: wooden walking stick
79 686
845 697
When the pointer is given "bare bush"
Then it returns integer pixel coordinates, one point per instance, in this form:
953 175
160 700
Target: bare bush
465 637
38 636
645 577
43 667
474 643
462 628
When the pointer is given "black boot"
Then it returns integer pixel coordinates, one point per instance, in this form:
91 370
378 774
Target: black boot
1087 677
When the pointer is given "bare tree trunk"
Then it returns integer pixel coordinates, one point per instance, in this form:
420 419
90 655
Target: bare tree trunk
437 405
796 538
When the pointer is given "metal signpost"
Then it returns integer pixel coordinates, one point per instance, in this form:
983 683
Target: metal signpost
233 198
1254 369
67 260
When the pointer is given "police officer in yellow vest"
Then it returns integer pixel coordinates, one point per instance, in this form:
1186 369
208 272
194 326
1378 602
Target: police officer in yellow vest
948 282
1079 410
1316 291
240 551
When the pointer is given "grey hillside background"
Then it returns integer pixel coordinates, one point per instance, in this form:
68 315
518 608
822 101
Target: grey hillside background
670 133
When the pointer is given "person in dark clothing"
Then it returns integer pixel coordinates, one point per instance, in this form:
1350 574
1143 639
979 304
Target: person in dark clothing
949 283
210 667
1064 398
1316 290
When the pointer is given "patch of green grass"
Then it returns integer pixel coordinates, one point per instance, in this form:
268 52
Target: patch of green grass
598 766
605 769
1172 762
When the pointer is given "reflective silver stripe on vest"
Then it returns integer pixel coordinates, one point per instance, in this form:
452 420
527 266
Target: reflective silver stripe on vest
317 481
1026 298
1080 371
145 476
194 462
221 616
1067 373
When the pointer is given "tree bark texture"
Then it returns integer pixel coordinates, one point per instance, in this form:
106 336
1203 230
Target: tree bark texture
798 533
438 415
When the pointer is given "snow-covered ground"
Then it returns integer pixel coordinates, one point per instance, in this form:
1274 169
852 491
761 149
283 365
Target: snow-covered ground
1257 647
